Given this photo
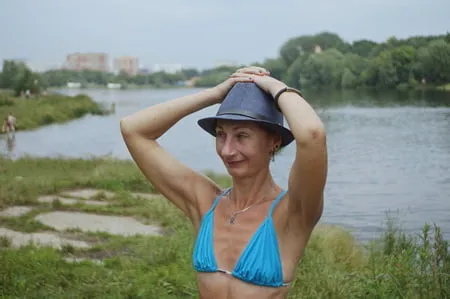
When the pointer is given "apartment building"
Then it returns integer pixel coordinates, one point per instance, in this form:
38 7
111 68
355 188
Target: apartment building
88 61
127 64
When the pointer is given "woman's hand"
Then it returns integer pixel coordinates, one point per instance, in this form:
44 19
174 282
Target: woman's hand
269 84
221 90
256 74
254 70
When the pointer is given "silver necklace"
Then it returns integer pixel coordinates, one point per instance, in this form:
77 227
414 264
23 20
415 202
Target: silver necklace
236 213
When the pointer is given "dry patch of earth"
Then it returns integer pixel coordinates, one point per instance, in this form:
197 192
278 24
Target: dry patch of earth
62 221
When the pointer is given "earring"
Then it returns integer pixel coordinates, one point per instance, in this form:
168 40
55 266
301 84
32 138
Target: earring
275 149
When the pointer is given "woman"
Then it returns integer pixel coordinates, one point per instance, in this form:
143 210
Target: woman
250 237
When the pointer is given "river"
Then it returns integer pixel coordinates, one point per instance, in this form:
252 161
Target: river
388 153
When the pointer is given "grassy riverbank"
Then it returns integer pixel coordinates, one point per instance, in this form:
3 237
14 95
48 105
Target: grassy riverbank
53 108
335 266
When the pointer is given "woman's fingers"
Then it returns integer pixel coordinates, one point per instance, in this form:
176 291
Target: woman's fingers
243 77
256 70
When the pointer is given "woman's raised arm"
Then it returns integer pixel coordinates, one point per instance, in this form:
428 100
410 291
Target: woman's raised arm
308 173
178 183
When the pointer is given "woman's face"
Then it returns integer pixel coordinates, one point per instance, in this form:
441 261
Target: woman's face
244 147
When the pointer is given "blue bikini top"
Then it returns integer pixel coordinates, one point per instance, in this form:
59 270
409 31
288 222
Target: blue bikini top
259 263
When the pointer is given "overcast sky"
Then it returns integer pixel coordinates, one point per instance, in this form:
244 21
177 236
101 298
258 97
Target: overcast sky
200 33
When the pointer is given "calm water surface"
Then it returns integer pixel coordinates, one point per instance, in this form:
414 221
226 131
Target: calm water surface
388 154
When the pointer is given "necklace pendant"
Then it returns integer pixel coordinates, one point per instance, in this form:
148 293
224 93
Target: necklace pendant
232 218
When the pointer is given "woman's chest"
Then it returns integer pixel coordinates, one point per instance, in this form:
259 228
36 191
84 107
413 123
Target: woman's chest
252 241
235 235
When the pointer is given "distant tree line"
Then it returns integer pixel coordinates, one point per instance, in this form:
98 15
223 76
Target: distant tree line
59 78
323 60
17 76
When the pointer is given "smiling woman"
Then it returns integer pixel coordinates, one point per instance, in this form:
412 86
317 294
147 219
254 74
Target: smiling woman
252 235
238 145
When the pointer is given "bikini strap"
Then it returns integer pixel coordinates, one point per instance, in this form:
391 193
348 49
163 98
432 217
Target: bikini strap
272 206
216 201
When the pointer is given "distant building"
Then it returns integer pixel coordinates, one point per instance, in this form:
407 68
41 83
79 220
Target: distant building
127 64
167 68
317 49
87 61
144 71
114 85
73 85
191 82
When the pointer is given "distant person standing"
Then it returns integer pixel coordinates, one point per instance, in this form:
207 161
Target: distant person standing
9 124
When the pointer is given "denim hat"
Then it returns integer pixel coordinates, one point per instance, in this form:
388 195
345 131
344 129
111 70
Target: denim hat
246 101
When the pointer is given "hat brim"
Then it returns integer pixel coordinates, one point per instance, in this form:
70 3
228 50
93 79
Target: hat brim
209 125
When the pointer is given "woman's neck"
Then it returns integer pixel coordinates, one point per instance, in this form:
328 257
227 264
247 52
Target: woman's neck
251 190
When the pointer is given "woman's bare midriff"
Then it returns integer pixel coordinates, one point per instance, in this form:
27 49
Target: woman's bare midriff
223 286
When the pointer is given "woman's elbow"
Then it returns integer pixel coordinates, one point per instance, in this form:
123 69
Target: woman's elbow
311 135
126 128
130 127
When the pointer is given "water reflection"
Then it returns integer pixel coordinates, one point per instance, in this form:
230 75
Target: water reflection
379 99
10 144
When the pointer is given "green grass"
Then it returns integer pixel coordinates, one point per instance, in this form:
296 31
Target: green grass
334 266
54 108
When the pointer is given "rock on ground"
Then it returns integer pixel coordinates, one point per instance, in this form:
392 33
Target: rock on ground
88 193
118 225
16 211
19 239
70 201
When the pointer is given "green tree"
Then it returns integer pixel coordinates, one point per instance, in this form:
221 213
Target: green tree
355 63
277 67
304 45
385 71
363 47
349 80
323 70
293 49
434 62
189 73
28 81
403 59
12 71
294 72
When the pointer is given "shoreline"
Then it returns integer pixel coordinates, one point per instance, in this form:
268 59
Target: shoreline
34 112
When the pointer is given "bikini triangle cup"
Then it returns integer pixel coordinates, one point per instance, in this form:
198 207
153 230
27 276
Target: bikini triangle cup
259 263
